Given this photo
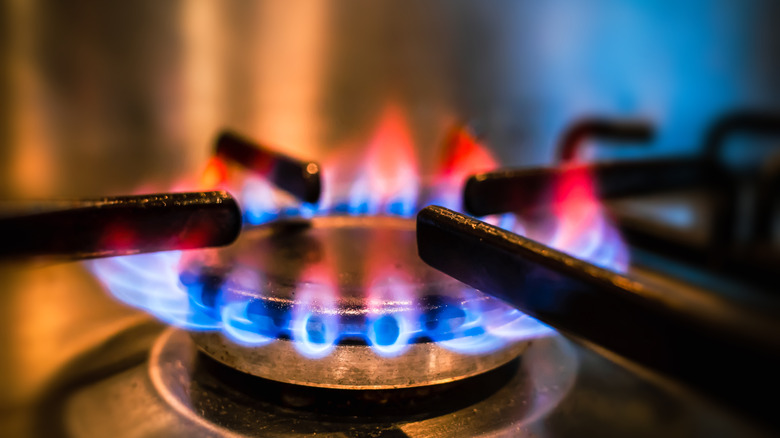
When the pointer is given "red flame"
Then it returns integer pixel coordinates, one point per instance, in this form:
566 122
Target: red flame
463 155
387 279
390 163
378 173
575 194
119 237
379 176
583 227
215 174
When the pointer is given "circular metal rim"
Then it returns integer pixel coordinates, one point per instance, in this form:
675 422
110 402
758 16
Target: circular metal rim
543 378
354 366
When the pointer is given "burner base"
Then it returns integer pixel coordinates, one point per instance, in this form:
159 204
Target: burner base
354 366
223 402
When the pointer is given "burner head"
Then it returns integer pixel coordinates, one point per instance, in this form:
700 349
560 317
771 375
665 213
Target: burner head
345 302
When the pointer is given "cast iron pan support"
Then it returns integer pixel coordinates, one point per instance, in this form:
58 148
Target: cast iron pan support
718 347
613 130
726 212
299 178
119 225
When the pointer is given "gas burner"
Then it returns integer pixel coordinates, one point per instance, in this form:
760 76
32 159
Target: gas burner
210 396
345 302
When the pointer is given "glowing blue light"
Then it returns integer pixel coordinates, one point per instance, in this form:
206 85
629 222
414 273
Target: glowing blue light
314 335
316 331
584 243
197 303
386 330
403 207
359 207
239 327
341 208
389 335
508 222
472 337
398 208
257 217
266 320
443 323
151 282
308 210
520 327
360 200
480 344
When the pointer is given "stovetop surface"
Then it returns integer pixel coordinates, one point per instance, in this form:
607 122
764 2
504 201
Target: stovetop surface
75 363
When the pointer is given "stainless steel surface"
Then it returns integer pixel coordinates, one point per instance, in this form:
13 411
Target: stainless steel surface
105 97
60 329
364 268
355 366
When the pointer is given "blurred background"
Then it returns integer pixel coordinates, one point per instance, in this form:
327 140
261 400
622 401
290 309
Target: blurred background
100 98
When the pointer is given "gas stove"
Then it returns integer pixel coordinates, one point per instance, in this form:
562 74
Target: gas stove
313 303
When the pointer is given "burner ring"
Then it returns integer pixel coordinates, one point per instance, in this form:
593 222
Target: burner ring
204 403
346 302
354 366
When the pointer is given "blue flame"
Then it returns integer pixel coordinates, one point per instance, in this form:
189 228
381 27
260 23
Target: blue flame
263 203
197 301
597 241
520 326
480 328
186 292
315 336
151 282
240 328
389 335
188 296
